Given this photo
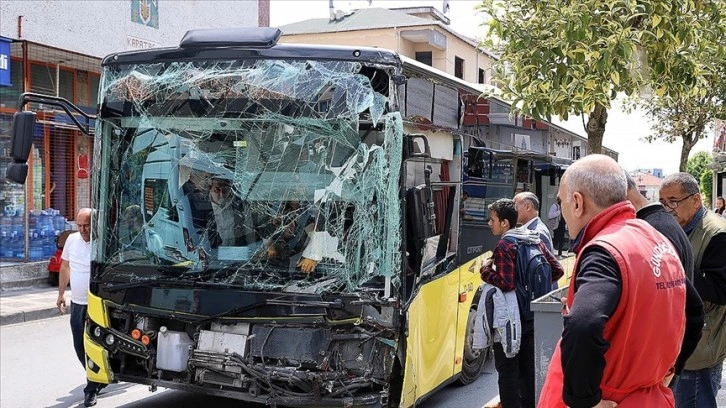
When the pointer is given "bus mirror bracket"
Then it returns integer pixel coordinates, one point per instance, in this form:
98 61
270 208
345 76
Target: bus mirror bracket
20 142
23 129
410 148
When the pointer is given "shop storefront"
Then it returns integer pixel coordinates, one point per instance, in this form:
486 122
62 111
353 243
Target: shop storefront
59 167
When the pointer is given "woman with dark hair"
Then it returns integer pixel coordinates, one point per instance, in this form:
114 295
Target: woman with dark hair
720 207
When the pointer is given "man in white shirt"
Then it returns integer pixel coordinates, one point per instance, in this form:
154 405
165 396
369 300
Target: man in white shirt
76 268
527 205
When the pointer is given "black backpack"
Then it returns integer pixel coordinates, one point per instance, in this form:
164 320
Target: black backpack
532 276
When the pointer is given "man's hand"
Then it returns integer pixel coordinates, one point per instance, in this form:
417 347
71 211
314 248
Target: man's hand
606 404
61 304
488 263
565 310
668 378
307 265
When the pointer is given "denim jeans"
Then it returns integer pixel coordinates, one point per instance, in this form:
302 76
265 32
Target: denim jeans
78 323
516 374
698 389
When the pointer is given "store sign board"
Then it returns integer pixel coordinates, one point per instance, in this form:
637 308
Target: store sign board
5 61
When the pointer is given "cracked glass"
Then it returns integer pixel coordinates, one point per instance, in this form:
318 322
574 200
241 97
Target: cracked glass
264 174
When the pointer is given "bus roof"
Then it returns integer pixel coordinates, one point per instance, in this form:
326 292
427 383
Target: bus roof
230 44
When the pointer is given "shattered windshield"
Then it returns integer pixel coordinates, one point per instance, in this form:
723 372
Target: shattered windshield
266 174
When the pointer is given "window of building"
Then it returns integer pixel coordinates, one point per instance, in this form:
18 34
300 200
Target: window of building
482 76
458 67
425 57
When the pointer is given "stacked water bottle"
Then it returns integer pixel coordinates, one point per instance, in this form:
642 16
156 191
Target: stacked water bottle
43 228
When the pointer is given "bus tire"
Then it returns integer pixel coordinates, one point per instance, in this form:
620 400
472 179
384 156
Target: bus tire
473 359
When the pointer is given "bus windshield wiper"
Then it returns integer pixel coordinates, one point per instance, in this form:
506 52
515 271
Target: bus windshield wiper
336 304
162 282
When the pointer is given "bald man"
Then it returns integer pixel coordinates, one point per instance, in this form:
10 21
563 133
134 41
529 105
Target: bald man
76 269
624 312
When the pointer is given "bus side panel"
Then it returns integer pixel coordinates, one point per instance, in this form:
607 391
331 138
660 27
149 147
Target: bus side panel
469 283
568 264
432 337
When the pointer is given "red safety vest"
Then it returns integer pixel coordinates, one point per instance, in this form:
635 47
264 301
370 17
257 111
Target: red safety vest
646 330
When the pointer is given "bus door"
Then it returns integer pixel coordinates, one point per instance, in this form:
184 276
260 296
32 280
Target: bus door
548 176
432 284
488 176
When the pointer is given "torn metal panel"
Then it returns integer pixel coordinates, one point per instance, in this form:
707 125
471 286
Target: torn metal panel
419 93
446 106
253 173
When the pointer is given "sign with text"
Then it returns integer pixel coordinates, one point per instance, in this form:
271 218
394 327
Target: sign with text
5 61
135 43
145 12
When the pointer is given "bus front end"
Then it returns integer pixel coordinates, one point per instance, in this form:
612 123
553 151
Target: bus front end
247 241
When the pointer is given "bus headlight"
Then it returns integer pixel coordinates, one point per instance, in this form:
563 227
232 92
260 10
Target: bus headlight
96 331
110 339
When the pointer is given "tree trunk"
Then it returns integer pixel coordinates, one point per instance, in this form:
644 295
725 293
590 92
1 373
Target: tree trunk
595 129
688 142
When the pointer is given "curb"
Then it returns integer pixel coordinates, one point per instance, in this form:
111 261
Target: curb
22 317
25 283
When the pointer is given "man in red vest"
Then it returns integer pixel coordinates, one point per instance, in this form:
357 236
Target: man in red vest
624 313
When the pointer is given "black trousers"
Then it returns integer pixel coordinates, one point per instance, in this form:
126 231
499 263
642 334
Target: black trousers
558 240
516 374
78 322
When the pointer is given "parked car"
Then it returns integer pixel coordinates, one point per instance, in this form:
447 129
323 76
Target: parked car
55 261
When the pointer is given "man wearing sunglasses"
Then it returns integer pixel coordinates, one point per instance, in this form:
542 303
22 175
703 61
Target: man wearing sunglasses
700 381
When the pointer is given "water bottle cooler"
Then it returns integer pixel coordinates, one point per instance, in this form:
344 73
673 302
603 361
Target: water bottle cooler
6 221
18 224
43 229
18 245
6 250
59 221
35 252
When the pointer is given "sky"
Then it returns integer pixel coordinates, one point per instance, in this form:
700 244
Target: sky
623 131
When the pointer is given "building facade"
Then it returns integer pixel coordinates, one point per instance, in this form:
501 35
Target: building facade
423 34
648 182
55 48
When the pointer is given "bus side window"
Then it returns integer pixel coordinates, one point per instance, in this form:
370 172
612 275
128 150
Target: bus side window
429 212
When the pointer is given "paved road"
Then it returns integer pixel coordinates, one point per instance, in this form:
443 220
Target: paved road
38 368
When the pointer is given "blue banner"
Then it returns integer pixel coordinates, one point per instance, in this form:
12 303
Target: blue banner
5 61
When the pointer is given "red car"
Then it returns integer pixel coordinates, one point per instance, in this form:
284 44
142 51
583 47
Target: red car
55 261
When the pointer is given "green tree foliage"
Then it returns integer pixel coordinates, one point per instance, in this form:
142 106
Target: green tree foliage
698 164
573 57
689 117
707 186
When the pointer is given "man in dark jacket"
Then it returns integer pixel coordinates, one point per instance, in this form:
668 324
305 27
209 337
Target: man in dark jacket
700 381
657 216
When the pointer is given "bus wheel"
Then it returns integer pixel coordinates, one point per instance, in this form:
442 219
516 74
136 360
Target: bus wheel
473 359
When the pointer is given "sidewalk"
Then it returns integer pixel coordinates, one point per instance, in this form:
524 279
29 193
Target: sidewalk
24 305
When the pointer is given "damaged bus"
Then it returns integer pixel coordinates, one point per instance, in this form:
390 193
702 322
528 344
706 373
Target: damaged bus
271 228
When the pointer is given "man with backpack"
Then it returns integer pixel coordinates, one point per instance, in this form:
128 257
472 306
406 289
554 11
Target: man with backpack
524 264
